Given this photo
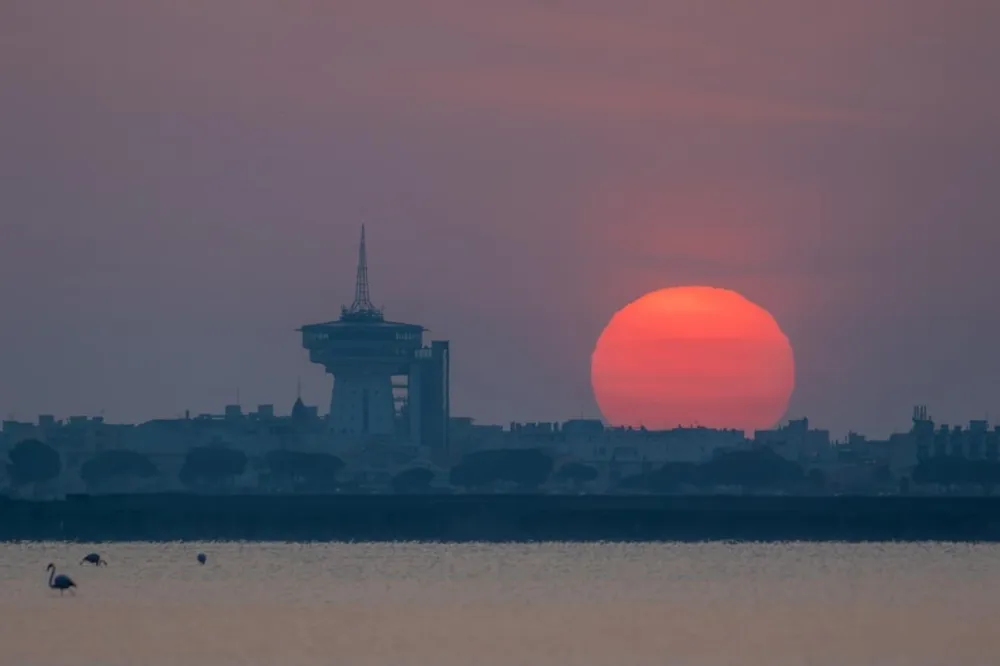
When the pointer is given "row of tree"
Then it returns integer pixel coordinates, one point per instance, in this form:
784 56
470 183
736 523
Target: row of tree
525 469
216 467
951 471
529 469
209 468
206 468
755 469
765 470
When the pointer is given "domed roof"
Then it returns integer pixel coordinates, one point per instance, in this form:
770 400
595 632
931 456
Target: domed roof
299 411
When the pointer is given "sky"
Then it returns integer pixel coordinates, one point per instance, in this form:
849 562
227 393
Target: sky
182 184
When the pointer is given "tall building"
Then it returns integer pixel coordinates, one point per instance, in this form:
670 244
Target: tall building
385 381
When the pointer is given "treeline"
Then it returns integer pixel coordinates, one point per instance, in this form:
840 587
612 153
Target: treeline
953 471
205 468
762 469
212 468
754 469
216 468
529 469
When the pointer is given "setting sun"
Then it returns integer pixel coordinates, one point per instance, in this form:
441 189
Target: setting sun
693 356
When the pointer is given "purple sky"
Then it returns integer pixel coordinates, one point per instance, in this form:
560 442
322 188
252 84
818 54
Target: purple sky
182 184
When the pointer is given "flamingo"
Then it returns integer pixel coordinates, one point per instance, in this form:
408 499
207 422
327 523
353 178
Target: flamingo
95 559
201 558
62 582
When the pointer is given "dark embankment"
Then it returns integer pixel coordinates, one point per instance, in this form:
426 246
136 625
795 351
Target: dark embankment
501 518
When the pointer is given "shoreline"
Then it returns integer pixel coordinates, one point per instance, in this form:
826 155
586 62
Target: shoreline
507 517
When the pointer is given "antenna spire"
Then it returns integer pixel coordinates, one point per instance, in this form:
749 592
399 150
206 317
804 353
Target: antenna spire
362 307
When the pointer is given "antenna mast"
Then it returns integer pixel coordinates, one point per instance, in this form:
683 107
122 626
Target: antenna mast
362 308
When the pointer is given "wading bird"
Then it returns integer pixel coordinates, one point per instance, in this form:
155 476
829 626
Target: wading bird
62 582
95 559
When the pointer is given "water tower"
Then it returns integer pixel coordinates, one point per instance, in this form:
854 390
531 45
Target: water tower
385 381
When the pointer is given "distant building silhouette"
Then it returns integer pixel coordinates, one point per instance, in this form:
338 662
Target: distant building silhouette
386 382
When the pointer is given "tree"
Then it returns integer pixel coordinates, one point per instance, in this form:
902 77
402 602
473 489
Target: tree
212 466
882 475
643 481
756 468
944 471
987 474
673 475
110 468
576 473
32 461
669 478
816 479
413 480
952 471
528 468
303 471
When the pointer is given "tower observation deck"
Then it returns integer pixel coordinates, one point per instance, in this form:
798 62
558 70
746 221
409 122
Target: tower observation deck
385 381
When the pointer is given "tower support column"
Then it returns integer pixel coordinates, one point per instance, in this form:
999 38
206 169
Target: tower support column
362 404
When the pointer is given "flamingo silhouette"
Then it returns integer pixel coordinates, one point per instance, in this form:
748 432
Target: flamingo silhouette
60 582
95 559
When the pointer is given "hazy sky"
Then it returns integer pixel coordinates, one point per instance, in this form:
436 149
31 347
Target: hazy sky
182 184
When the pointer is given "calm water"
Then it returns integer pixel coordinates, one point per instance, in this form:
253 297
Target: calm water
554 603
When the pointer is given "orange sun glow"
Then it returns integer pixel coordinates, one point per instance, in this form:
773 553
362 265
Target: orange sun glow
693 356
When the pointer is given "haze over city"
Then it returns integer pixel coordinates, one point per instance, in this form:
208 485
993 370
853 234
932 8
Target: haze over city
182 186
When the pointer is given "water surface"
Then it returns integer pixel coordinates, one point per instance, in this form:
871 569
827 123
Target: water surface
485 604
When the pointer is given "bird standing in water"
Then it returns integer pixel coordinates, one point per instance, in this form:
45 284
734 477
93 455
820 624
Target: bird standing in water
95 559
60 582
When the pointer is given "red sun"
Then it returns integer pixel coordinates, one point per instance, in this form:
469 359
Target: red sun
687 356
